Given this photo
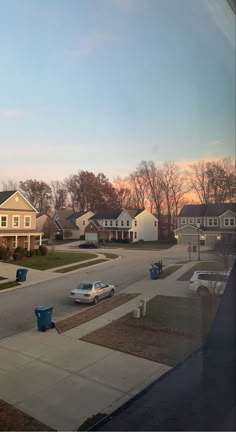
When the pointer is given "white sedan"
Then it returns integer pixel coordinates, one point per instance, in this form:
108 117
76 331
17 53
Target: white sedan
92 292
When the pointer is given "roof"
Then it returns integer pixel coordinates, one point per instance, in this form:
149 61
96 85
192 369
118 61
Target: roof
63 219
5 195
135 212
206 210
76 215
107 214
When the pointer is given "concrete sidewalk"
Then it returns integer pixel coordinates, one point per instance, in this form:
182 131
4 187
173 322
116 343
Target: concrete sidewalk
62 380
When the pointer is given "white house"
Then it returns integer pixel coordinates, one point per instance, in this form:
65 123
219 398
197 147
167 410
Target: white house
122 224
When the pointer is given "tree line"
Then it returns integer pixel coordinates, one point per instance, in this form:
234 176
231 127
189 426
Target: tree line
162 188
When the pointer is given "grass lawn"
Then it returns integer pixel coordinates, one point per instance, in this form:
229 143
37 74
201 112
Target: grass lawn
169 270
203 265
173 328
13 419
152 245
92 312
111 255
79 266
9 284
54 259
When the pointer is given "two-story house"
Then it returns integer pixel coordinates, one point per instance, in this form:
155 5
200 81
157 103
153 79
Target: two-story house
71 224
122 224
17 221
209 222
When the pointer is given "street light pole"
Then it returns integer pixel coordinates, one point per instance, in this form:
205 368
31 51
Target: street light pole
198 240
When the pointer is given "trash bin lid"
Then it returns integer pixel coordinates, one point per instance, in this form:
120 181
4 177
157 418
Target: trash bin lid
43 308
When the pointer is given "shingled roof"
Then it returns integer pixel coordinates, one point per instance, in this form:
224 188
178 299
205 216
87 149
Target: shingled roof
206 210
5 195
107 214
134 212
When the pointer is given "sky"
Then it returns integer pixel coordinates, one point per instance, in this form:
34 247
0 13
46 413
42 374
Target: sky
100 85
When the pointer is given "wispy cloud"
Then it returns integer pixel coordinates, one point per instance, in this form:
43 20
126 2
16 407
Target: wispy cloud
13 113
214 143
92 42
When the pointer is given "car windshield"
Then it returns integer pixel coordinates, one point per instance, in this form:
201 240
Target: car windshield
85 286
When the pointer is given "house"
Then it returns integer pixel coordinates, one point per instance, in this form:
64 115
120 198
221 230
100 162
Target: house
207 222
17 221
71 224
46 224
122 224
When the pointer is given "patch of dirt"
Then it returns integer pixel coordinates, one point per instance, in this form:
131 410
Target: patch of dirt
93 312
13 419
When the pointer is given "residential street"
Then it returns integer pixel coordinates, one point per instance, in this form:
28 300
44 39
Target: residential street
17 307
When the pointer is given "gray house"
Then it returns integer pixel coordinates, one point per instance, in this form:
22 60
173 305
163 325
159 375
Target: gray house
208 222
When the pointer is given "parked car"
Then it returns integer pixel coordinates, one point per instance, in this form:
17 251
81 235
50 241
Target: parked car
88 245
92 292
206 283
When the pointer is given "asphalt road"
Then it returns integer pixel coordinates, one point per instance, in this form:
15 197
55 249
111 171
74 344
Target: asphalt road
17 307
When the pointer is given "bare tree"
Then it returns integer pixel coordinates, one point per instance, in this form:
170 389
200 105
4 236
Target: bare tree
38 193
59 194
10 185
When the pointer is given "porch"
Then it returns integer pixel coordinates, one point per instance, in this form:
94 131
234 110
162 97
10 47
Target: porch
12 241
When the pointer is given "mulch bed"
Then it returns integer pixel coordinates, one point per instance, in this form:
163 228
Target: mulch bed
93 312
13 419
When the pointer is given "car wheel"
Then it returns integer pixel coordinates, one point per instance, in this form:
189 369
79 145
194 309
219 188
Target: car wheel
95 301
203 292
112 293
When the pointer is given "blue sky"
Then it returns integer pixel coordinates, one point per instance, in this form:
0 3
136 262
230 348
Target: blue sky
100 85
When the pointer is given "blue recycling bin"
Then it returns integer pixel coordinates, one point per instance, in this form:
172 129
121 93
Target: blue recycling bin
44 317
154 273
21 275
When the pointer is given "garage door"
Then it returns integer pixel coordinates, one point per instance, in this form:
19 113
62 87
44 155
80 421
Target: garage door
185 239
91 237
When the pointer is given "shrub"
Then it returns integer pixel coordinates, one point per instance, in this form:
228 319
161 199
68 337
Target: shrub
43 250
82 237
22 252
17 256
36 252
31 253
4 253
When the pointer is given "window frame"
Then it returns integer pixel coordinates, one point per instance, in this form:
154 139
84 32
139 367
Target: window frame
3 216
183 221
26 217
18 218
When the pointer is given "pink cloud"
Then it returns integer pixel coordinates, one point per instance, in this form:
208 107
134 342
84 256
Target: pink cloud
14 113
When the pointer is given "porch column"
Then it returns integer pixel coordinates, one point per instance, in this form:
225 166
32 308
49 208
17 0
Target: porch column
16 241
116 234
28 243
40 239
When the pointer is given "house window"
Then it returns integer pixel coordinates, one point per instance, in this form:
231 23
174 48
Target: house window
198 220
155 223
27 221
135 223
191 221
229 222
26 243
116 223
16 221
4 221
105 222
14 242
127 223
83 222
183 221
122 223
212 222
135 235
111 223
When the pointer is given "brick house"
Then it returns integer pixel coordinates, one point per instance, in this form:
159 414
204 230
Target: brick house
17 221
